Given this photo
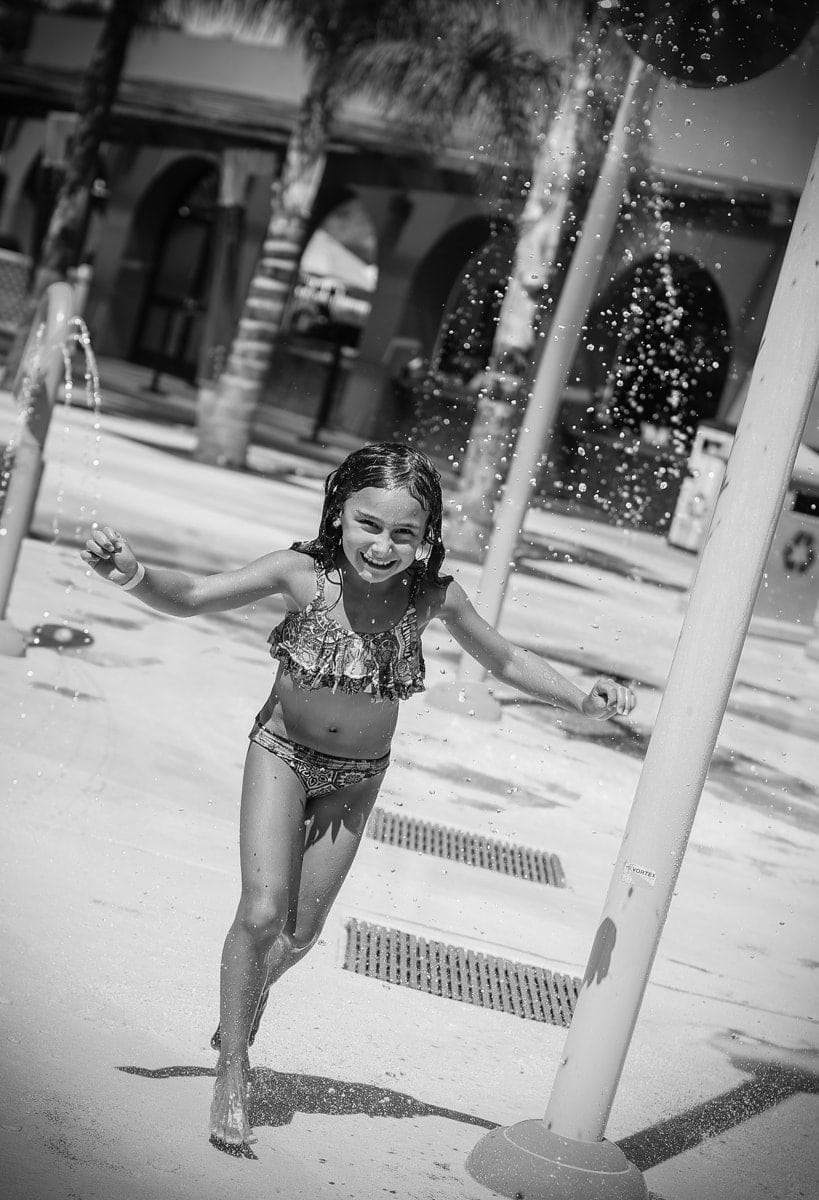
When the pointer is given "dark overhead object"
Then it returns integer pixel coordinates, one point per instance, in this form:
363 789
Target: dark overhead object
712 43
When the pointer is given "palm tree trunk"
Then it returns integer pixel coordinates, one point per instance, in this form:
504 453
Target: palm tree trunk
225 409
62 244
541 227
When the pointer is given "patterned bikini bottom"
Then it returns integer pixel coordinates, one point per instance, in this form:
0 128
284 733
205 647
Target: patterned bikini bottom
319 773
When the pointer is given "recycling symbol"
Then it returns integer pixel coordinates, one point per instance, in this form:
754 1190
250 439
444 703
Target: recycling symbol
799 554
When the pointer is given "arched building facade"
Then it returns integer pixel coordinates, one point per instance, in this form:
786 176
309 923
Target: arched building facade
197 138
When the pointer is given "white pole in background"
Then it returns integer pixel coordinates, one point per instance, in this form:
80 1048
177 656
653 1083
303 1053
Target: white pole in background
552 1157
563 336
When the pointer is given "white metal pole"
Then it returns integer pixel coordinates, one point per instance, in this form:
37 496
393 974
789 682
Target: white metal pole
702 673
700 680
564 333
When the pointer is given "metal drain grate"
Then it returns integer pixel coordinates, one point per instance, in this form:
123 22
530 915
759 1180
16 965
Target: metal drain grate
444 842
394 956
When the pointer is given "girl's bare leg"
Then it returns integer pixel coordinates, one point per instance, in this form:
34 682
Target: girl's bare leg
279 959
325 863
271 839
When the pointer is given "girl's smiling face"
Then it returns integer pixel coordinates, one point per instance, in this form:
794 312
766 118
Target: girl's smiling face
381 530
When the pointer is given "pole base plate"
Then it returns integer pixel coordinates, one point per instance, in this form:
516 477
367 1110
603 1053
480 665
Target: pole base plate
528 1162
13 643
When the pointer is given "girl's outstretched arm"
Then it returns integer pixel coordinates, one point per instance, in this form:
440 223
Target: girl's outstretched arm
178 593
523 670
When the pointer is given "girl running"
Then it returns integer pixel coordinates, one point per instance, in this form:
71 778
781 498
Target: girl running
358 597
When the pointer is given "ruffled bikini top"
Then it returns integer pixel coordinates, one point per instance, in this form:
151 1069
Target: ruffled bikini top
317 652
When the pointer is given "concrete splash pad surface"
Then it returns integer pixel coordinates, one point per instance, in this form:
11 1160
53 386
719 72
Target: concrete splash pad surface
120 874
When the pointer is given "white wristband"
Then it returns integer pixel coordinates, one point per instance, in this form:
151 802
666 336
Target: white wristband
135 579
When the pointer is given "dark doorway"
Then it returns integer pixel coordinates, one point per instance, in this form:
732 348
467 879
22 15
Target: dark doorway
663 344
170 325
652 368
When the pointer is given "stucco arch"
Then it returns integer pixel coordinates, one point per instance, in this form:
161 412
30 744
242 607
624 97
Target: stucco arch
332 197
351 257
328 312
425 241
138 215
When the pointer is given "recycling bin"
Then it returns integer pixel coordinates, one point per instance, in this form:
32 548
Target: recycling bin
789 596
700 488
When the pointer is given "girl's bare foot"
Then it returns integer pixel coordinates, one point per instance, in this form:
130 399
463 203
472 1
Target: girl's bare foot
229 1121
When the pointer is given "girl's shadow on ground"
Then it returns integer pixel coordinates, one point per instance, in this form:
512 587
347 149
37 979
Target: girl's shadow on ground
276 1097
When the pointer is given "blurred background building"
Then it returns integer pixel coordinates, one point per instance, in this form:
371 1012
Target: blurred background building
406 262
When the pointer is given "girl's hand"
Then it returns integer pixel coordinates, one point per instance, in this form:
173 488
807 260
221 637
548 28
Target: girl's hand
608 699
109 555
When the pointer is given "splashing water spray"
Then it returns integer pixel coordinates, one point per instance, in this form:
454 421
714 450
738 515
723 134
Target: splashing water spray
564 1155
46 365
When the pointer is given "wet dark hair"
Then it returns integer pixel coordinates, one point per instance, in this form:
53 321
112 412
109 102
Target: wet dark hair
382 465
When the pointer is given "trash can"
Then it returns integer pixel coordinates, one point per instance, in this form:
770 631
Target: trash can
789 595
700 488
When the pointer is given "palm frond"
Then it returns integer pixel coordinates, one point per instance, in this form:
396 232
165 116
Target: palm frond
548 26
254 21
498 92
323 29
